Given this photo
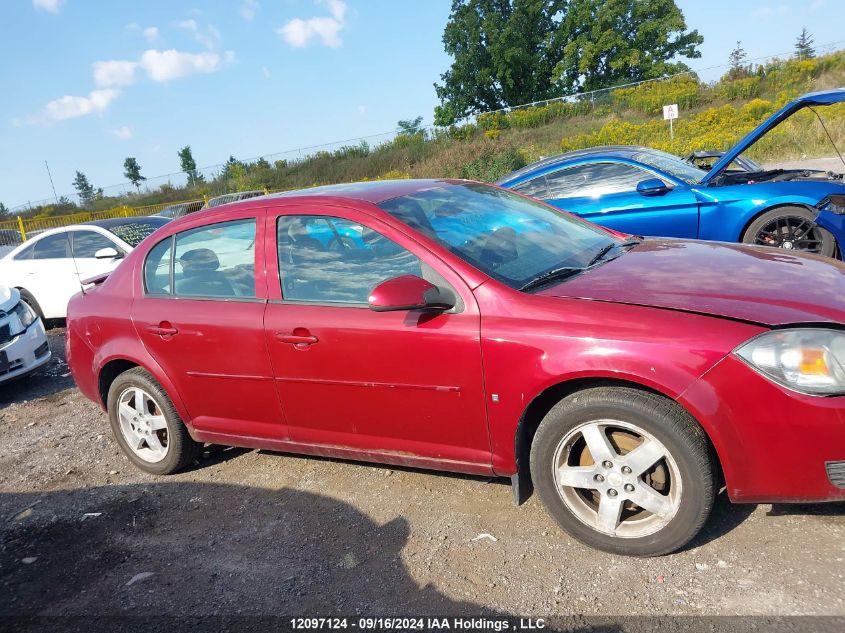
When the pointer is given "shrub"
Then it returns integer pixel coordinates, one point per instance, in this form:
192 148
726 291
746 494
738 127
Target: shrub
650 98
492 164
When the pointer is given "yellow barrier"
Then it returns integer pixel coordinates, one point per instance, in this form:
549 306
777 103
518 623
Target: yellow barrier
18 230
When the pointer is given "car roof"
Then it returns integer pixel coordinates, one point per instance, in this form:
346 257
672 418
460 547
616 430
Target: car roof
606 151
375 191
110 222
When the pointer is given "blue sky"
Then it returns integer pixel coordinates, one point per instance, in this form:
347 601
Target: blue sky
87 84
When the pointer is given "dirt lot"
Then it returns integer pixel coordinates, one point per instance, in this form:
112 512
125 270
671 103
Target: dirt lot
253 532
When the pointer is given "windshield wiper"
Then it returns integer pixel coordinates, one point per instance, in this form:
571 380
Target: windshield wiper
553 275
604 251
557 274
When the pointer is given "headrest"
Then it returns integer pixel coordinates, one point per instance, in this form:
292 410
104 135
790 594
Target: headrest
199 260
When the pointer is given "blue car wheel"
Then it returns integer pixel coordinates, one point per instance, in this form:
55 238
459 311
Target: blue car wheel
792 228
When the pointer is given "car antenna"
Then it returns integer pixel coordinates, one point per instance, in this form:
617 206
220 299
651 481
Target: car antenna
830 138
75 266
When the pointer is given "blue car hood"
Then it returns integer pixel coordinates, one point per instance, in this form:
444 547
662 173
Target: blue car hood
823 98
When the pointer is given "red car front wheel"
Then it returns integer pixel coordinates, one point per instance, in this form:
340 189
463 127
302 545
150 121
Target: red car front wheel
624 471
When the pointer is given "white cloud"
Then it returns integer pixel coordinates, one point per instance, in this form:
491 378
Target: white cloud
51 6
188 25
208 37
124 133
299 32
151 33
114 73
71 107
172 64
770 11
248 9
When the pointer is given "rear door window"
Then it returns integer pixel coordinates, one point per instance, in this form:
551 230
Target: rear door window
214 261
55 246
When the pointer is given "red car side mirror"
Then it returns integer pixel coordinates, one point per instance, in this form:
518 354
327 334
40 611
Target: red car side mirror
410 292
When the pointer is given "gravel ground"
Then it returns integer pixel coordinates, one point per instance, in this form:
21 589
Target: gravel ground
833 164
255 532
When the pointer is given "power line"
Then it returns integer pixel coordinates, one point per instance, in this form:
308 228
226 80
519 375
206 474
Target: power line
829 46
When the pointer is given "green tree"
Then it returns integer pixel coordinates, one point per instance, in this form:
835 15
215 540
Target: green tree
132 171
501 56
4 210
84 189
189 166
804 45
510 52
411 127
232 168
606 43
736 61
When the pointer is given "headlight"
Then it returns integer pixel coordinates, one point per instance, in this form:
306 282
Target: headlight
25 314
834 204
810 360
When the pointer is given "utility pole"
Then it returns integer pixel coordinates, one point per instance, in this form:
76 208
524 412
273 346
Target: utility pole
51 182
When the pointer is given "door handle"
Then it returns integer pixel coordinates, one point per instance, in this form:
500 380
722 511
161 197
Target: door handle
163 329
296 339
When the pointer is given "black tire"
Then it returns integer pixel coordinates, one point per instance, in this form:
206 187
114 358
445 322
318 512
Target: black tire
667 422
182 449
817 240
29 300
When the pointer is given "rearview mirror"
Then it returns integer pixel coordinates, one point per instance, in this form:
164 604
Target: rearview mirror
107 253
652 187
410 292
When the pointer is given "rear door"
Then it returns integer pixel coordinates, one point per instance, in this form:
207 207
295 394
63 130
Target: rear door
402 383
201 318
606 193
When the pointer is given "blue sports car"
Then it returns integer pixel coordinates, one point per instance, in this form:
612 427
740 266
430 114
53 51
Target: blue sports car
648 192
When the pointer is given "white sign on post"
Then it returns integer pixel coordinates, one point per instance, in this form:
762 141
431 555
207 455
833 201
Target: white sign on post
670 113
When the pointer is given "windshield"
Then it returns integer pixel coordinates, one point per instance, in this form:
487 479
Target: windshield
671 165
504 235
133 232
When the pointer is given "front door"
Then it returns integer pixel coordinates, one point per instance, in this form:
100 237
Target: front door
201 318
606 193
403 383
86 243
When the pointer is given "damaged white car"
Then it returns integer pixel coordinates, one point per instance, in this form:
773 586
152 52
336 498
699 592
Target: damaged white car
23 342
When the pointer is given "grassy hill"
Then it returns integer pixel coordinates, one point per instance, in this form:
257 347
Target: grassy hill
712 116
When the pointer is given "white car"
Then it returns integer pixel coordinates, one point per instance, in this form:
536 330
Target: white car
50 268
23 343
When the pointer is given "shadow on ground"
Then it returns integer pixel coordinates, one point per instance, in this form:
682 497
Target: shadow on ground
203 549
51 379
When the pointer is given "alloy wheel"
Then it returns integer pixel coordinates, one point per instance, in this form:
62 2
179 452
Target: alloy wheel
143 425
792 233
617 478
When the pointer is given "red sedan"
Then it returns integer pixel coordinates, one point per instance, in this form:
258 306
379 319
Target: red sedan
458 326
